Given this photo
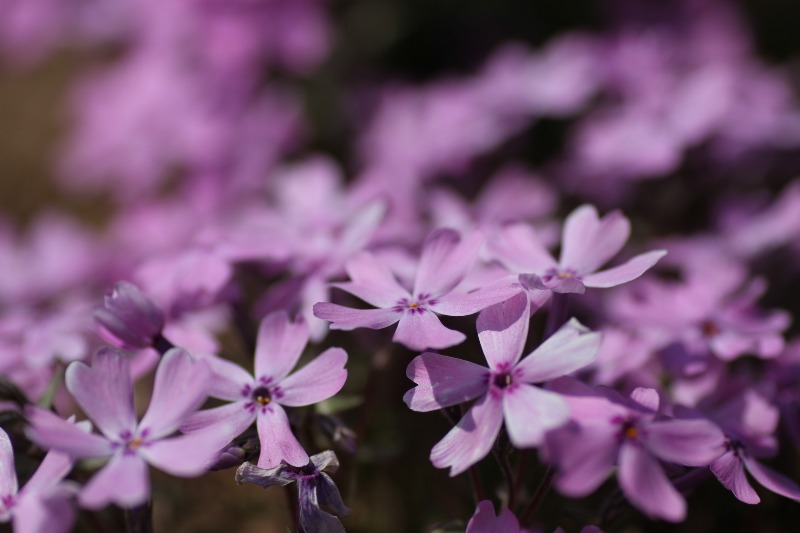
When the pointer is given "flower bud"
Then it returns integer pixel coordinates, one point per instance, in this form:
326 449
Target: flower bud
128 318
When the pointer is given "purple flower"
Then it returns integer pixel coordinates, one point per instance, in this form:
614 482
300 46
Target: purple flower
628 434
260 399
105 393
128 318
587 243
314 485
504 390
43 503
484 520
446 259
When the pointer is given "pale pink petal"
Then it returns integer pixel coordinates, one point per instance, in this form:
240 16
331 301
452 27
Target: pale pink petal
8 473
372 281
54 467
644 483
588 241
318 380
520 249
185 456
484 520
503 330
228 420
280 344
772 480
472 438
228 379
568 349
730 472
347 318
530 412
53 514
463 304
278 443
123 481
625 272
443 381
585 456
104 391
421 330
687 442
444 262
181 386
51 431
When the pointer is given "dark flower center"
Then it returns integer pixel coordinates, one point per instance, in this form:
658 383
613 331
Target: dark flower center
262 396
502 380
710 328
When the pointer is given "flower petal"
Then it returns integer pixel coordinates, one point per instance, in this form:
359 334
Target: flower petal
228 420
318 380
228 379
520 249
443 381
347 318
530 412
445 260
625 272
372 281
644 483
185 456
572 347
123 481
585 456
180 388
104 391
278 443
472 438
685 442
8 473
772 480
484 520
421 330
280 344
588 241
53 468
503 330
463 304
54 514
730 472
51 431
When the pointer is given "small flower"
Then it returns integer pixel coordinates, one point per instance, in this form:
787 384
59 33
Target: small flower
105 393
261 398
315 489
128 318
504 390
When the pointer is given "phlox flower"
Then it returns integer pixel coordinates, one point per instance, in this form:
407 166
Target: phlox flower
504 390
261 398
105 393
587 243
43 504
485 521
446 258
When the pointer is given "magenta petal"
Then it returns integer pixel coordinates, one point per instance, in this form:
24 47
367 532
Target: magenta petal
278 443
180 388
772 480
686 442
421 330
347 318
463 304
123 481
484 520
472 438
104 391
372 281
530 412
318 380
625 272
8 473
570 348
279 345
227 420
185 456
588 241
443 381
445 260
503 330
585 457
50 431
730 472
646 486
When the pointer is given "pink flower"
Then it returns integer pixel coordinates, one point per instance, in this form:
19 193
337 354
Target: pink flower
484 520
105 393
260 399
446 259
504 390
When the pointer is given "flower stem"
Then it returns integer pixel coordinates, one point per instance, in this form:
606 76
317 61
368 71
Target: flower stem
538 496
139 519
